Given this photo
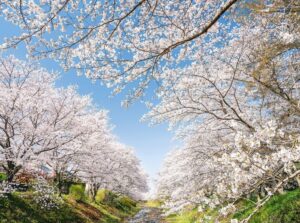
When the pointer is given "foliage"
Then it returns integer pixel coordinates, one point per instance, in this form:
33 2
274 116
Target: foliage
119 202
77 192
3 176
100 196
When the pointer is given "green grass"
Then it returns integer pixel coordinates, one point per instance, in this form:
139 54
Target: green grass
280 208
15 209
21 208
284 208
153 203
192 216
184 217
245 208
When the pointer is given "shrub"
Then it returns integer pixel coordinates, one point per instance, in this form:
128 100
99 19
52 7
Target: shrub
44 195
100 196
119 202
110 198
126 201
77 192
3 176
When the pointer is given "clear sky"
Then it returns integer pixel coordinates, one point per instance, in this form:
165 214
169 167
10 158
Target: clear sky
151 143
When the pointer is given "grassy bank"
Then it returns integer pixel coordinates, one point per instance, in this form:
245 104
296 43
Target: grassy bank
111 208
108 208
283 208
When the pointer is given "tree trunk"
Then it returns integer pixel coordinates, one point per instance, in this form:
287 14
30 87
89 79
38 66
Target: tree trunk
11 170
58 182
87 189
91 190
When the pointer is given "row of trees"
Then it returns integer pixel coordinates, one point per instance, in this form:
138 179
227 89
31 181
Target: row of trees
55 131
238 108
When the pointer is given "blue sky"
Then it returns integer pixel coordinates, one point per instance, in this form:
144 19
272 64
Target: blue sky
151 143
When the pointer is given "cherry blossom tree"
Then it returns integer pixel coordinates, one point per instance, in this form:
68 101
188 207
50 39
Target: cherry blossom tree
36 118
24 118
64 163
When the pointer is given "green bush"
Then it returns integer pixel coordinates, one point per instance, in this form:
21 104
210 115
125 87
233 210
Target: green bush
109 198
121 203
77 192
100 196
127 201
3 176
